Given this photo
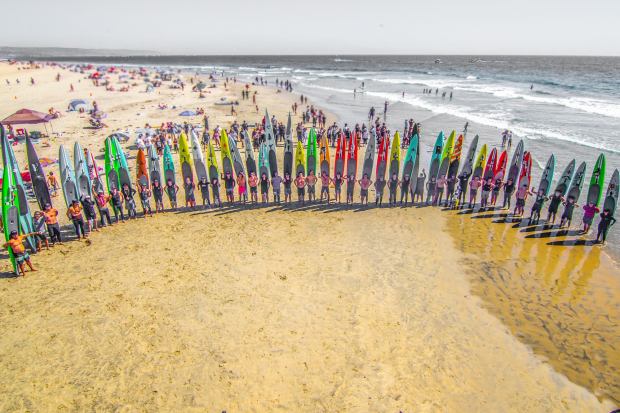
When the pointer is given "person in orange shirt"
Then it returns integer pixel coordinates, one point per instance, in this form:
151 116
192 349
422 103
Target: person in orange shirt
16 243
51 219
75 214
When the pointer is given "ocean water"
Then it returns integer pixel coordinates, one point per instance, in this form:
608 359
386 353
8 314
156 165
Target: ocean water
568 106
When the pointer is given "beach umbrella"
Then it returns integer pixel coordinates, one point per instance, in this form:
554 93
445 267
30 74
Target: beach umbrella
200 85
27 117
76 104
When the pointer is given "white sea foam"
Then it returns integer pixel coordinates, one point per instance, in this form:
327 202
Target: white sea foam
499 120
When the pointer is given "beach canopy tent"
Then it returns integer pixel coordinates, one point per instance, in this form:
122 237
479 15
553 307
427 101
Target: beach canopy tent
188 113
77 104
27 117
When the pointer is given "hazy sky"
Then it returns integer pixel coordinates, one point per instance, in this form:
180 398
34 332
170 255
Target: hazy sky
319 26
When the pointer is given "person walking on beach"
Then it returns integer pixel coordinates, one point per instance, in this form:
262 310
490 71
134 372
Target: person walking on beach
365 183
300 183
385 108
16 244
371 114
53 184
607 220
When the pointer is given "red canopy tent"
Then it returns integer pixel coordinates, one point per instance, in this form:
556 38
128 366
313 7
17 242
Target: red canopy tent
27 117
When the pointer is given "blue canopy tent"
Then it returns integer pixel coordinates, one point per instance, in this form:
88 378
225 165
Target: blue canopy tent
188 113
77 104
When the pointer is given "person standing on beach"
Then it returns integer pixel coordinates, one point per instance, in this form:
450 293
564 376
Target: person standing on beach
325 181
418 196
350 180
116 198
311 181
365 183
264 188
379 187
215 191
473 190
590 210
253 182
300 183
405 188
607 220
569 208
51 219
497 185
338 179
509 188
171 189
229 186
16 244
287 181
430 190
487 186
145 195
554 204
158 194
74 213
392 188
53 184
276 182
242 186
521 196
537 206
130 204
385 108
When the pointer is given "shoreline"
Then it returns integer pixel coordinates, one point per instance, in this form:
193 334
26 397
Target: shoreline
74 280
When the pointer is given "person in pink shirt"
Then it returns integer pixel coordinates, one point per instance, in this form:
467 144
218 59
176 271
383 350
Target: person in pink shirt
589 211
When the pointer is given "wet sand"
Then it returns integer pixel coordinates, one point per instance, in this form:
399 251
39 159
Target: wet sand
562 300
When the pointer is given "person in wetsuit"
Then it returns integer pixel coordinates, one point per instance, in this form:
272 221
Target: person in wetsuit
607 220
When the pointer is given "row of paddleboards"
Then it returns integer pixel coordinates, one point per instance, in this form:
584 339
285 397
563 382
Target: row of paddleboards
446 157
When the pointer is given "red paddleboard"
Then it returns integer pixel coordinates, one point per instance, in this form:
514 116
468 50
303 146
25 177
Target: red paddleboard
456 151
500 166
382 156
341 146
489 169
525 177
352 156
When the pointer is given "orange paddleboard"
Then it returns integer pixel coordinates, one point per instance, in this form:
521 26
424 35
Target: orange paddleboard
142 168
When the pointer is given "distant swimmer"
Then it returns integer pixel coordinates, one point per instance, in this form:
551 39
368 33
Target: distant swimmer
450 95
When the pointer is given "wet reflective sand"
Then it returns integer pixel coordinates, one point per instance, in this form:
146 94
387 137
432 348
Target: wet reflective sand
555 291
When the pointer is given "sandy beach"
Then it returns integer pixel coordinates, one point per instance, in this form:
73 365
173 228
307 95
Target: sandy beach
316 308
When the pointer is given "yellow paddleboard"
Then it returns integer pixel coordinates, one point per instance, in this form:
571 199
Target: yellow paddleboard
324 155
185 158
480 162
212 162
227 163
300 159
